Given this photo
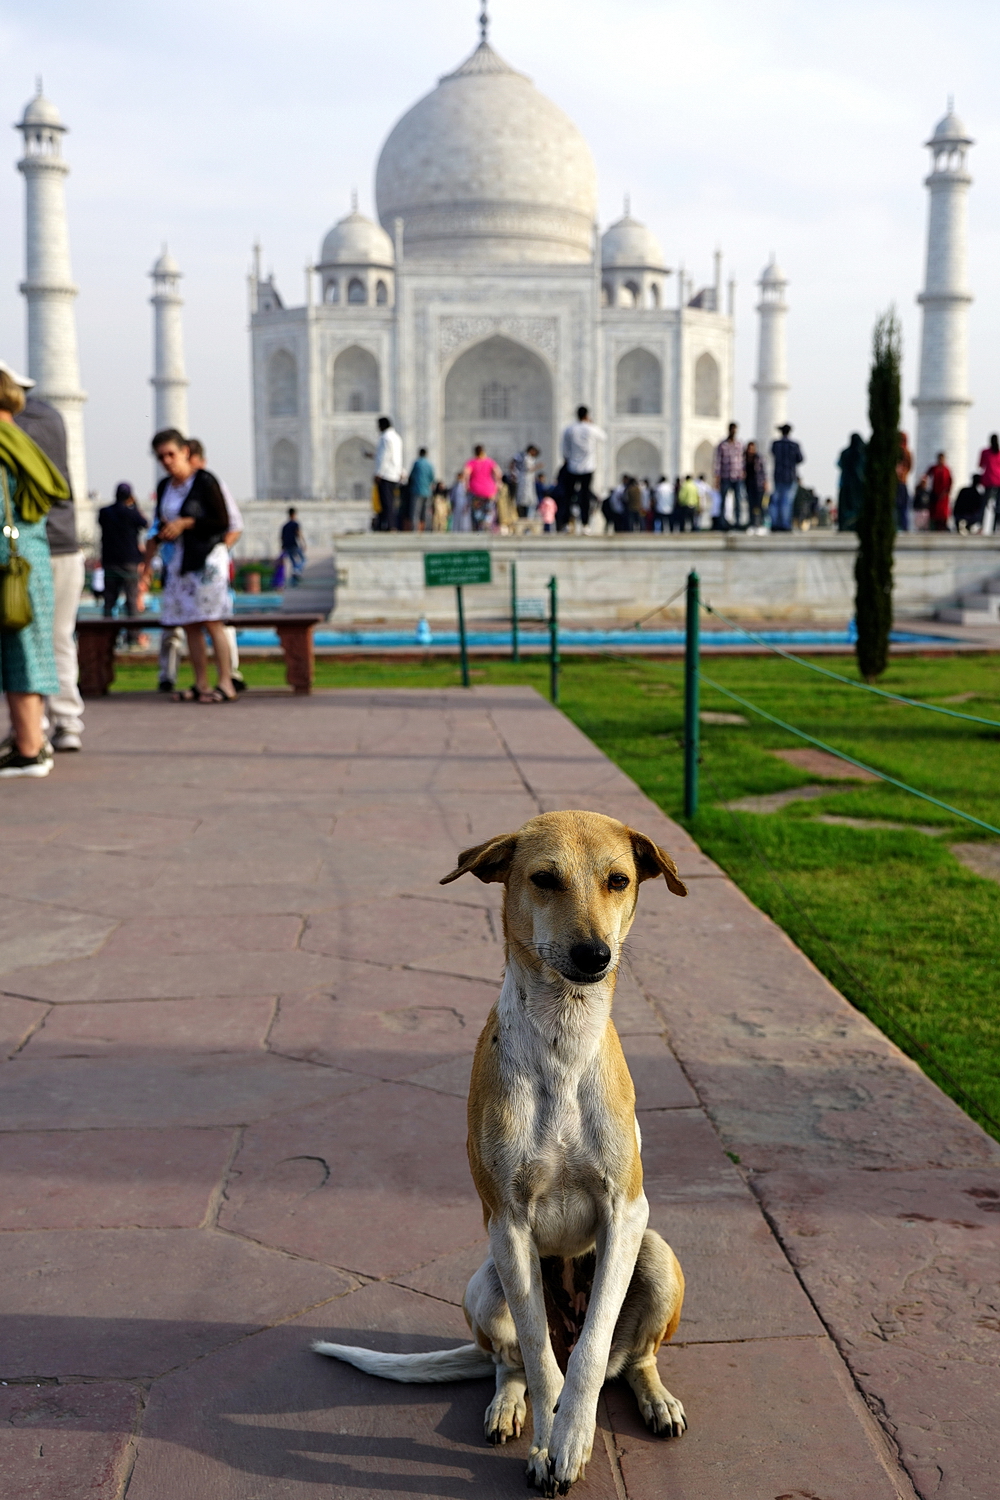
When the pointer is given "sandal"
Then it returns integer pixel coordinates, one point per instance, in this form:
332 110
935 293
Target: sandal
218 696
189 695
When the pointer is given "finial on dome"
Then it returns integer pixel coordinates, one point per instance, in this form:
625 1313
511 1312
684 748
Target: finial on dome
484 24
354 200
951 104
628 205
38 85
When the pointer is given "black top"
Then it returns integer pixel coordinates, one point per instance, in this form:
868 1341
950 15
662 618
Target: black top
120 527
290 535
45 426
206 505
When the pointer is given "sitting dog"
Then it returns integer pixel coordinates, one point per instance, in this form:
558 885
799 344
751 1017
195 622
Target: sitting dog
576 1289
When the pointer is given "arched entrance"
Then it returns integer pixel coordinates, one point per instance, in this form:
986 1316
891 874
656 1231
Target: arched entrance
497 393
640 459
353 469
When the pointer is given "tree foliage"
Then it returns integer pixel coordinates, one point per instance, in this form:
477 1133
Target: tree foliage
876 523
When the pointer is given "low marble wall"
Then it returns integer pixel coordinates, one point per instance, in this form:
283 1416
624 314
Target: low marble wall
620 578
319 519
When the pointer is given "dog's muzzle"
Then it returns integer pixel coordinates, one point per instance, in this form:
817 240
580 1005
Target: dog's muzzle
589 959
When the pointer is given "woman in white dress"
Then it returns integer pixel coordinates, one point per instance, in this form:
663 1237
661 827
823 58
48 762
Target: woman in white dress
192 516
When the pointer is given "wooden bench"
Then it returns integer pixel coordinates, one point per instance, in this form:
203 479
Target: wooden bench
96 636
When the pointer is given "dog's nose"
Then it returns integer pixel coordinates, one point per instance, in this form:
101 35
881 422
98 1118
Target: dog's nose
590 957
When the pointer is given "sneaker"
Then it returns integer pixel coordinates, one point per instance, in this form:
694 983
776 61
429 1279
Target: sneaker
164 685
66 739
13 763
238 682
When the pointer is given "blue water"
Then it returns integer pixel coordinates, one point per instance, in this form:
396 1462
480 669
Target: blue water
501 640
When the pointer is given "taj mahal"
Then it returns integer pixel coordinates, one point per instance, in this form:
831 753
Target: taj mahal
485 306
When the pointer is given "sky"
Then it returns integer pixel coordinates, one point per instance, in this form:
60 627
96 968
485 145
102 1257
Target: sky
783 125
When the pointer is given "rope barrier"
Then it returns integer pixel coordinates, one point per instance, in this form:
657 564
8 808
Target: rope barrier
933 708
637 623
841 755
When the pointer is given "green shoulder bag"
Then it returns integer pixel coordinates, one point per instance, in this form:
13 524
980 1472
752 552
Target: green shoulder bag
15 601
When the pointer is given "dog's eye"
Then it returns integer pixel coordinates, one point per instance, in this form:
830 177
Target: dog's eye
546 880
617 882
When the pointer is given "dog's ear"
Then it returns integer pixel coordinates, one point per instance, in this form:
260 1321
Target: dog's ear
488 862
651 860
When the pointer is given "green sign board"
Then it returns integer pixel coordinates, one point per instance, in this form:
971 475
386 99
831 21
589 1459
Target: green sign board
455 568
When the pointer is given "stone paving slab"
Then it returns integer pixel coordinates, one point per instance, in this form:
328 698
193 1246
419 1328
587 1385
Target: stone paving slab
238 1024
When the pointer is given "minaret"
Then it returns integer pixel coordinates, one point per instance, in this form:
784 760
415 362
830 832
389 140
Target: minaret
942 402
53 362
772 360
169 380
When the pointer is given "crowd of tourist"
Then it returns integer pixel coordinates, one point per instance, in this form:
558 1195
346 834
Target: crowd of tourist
929 507
484 496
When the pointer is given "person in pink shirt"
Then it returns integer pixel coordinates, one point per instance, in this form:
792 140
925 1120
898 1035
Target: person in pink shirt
989 467
547 509
481 476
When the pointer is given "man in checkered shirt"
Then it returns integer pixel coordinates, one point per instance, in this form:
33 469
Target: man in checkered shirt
730 468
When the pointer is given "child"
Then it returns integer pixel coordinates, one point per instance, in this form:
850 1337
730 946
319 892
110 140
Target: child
547 513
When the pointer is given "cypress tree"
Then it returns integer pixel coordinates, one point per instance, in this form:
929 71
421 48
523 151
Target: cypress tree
876 524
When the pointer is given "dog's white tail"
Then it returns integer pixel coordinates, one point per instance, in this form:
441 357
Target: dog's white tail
468 1362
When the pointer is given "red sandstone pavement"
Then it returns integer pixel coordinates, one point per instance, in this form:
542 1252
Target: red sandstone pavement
238 1017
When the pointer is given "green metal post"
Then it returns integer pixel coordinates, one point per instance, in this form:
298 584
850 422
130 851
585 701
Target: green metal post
515 639
691 685
554 640
461 637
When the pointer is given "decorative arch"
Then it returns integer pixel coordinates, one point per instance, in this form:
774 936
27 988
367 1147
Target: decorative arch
639 384
352 469
707 387
632 294
704 459
498 393
284 470
381 294
332 293
357 292
639 458
356 383
283 384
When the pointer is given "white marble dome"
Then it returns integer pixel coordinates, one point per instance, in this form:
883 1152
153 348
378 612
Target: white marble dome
166 265
630 246
486 168
950 130
357 241
41 111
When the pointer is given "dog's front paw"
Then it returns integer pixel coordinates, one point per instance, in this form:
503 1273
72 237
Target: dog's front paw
663 1414
505 1417
570 1448
537 1472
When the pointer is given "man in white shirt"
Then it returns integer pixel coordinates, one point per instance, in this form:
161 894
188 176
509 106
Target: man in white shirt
579 451
663 502
388 473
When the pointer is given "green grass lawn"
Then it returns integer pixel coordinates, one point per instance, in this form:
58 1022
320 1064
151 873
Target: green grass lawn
917 931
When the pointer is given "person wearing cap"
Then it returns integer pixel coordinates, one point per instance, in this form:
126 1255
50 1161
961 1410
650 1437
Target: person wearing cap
787 455
64 708
30 486
121 525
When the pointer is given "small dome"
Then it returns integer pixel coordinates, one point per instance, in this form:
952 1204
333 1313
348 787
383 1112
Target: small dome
42 111
950 131
486 168
166 265
629 245
356 241
772 274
